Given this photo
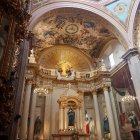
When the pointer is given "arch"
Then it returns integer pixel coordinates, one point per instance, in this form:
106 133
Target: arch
131 24
41 11
115 50
63 101
106 46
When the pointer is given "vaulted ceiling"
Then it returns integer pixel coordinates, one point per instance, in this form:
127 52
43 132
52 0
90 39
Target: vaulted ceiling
118 9
79 28
74 27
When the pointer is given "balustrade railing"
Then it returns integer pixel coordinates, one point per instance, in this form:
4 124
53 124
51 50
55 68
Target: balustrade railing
78 75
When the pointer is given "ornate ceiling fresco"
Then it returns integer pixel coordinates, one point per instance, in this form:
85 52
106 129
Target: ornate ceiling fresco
118 9
72 27
65 57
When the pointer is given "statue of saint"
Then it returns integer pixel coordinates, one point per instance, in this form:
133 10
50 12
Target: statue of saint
106 125
32 57
37 126
91 128
133 119
71 117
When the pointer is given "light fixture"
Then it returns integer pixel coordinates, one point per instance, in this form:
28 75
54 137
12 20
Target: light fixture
128 98
41 91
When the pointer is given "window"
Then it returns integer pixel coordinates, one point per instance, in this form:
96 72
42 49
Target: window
111 59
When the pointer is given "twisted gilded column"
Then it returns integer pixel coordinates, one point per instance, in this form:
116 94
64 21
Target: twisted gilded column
32 115
24 118
110 113
97 115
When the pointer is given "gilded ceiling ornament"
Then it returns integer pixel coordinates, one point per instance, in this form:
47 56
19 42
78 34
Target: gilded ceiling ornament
71 29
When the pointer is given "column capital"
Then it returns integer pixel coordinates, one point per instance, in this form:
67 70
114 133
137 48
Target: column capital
50 91
29 81
80 92
34 86
105 87
94 92
130 53
61 107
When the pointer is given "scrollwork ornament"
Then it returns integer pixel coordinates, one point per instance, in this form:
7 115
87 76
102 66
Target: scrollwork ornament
19 11
15 63
6 103
17 50
15 57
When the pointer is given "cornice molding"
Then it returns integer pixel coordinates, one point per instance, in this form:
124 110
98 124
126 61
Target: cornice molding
118 67
130 53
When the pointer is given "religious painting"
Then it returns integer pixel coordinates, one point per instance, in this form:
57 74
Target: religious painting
4 29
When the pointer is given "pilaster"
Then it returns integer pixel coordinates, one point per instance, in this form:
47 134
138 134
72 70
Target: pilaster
47 115
115 114
132 57
32 115
83 125
109 113
97 115
24 117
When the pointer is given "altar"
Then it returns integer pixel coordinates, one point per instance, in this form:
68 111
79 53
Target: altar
70 112
71 118
70 137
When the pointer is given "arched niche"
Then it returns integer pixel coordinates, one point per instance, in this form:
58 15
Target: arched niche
69 101
66 103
